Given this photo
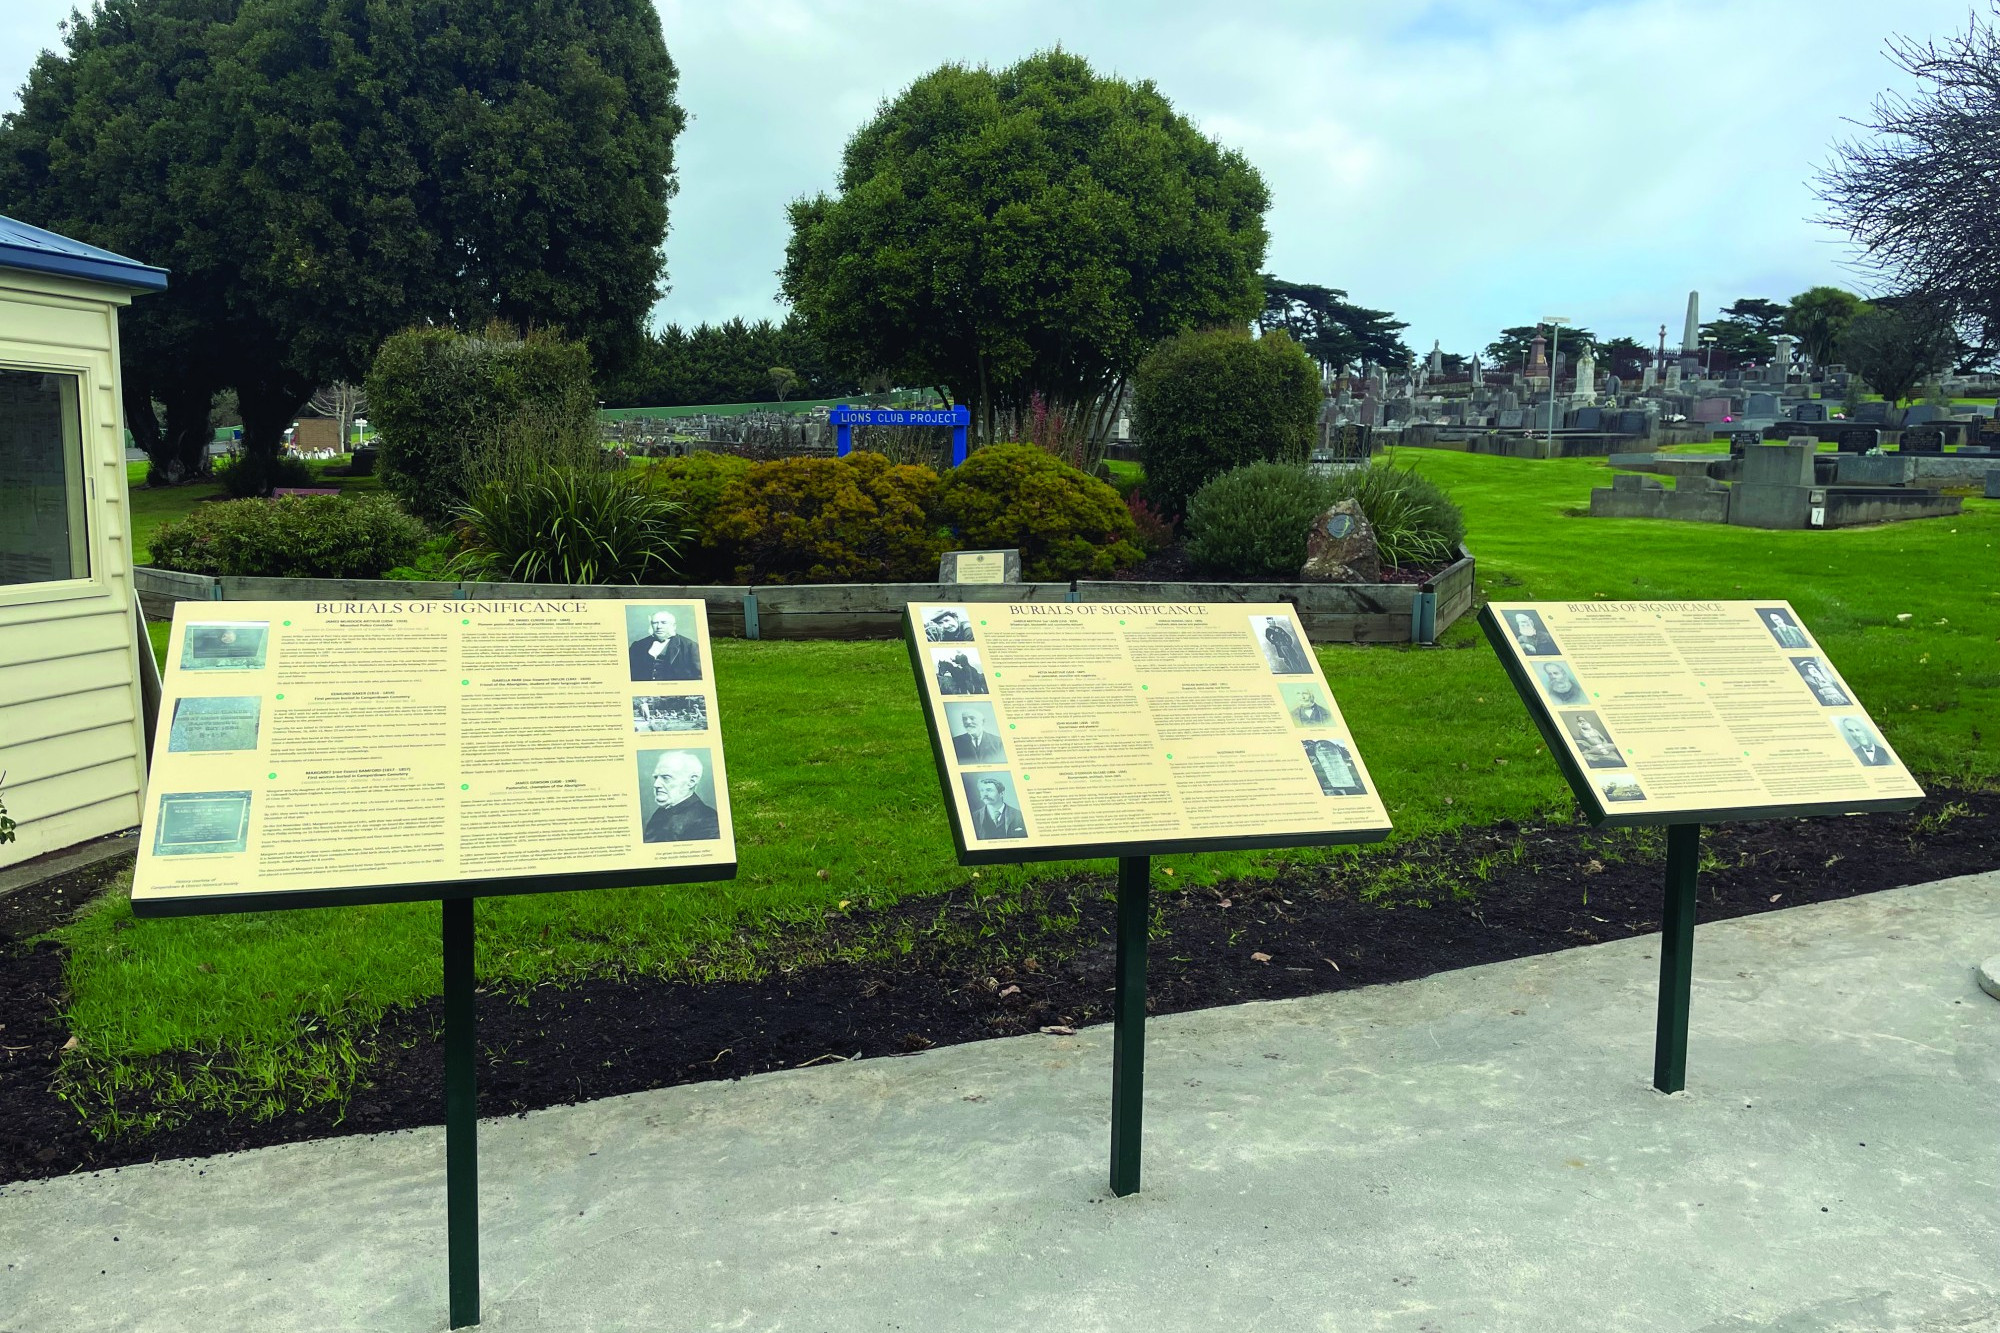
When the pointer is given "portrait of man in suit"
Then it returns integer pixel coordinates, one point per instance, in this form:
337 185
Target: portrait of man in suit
665 653
1560 682
1867 749
1783 628
994 814
1307 709
1282 649
973 735
1531 634
679 814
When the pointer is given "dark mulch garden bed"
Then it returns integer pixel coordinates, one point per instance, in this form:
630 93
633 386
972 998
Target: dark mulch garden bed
1540 888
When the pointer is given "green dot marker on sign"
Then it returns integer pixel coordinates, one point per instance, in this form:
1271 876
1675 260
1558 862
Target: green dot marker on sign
465 682
288 622
1010 726
465 786
1024 777
273 777
982 622
280 696
1145 687
1170 756
466 621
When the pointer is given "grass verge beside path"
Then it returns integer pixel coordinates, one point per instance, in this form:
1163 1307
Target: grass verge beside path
836 801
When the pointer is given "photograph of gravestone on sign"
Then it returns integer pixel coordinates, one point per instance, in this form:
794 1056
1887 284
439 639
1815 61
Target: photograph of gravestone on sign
1106 729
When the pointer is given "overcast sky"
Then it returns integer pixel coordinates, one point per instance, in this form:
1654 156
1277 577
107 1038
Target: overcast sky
1468 164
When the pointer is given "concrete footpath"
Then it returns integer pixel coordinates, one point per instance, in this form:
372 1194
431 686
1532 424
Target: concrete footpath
1476 1151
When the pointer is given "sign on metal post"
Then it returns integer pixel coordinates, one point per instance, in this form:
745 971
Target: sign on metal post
844 419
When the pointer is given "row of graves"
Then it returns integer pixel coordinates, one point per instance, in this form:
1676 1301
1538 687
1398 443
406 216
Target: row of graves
546 745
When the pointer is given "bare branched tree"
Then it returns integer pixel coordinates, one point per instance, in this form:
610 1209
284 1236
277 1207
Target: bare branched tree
341 401
1918 198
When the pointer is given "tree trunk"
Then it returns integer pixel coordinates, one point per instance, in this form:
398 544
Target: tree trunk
267 410
144 423
188 429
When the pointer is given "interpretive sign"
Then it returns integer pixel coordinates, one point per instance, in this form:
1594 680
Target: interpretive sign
980 567
955 419
326 752
1066 729
1694 712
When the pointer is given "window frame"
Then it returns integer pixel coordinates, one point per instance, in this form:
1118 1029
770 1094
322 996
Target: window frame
94 582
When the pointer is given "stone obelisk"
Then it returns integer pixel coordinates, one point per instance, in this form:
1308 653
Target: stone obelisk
1691 332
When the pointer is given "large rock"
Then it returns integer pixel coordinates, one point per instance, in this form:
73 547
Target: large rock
1341 548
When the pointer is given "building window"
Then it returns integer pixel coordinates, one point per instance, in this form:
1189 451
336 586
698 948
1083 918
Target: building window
41 479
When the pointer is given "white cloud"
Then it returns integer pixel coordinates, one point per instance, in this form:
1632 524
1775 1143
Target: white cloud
1467 163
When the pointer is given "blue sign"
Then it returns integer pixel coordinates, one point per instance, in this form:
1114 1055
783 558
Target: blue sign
956 419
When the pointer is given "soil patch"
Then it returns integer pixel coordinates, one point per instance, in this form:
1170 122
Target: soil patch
980 968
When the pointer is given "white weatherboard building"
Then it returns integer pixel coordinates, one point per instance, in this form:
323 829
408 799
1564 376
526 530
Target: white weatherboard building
73 686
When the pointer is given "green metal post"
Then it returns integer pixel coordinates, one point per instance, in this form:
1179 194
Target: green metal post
461 1117
1670 1045
1128 1031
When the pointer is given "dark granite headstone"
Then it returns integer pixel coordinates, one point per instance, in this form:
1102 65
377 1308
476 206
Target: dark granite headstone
1589 418
1920 414
1809 411
1739 440
1857 439
1631 423
1874 412
1921 440
1761 405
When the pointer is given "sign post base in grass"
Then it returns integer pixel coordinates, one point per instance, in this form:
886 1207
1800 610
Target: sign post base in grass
1128 1024
1670 1043
461 1116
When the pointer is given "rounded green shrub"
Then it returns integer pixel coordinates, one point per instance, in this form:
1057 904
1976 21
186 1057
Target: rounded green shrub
697 484
259 474
858 519
1253 521
1207 402
1067 525
292 537
570 525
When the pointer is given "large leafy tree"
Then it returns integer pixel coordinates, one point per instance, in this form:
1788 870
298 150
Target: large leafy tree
1008 235
730 362
1818 318
1334 332
1897 343
1745 330
1916 198
1514 348
320 173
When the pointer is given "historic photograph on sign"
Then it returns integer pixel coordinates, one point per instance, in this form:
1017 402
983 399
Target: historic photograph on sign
1333 764
1783 628
1621 789
1530 634
1284 652
677 796
1560 682
1307 706
1821 680
662 643
1860 739
959 671
196 822
670 712
996 811
1592 741
948 624
225 646
975 734
228 722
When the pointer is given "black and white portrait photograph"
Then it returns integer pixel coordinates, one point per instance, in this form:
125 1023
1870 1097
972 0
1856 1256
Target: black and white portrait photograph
1621 789
947 624
677 796
1283 646
1530 634
958 671
1819 678
1333 764
996 810
1306 705
1862 740
662 643
975 734
1559 682
1782 627
1593 742
670 712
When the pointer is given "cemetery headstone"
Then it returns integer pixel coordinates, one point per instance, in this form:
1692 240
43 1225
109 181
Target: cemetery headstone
1857 439
1739 440
1921 440
1341 547
1632 423
1870 412
1761 405
1920 414
1511 418
1809 411
1589 418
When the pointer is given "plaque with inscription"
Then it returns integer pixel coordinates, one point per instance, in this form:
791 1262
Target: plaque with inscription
1694 712
1065 729
315 753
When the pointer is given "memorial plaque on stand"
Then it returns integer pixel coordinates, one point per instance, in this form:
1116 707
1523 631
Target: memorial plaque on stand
1686 713
314 753
1074 729
1694 712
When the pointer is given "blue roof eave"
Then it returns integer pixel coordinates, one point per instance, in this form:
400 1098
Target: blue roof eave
32 250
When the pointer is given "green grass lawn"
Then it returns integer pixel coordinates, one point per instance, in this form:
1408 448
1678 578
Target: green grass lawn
836 800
